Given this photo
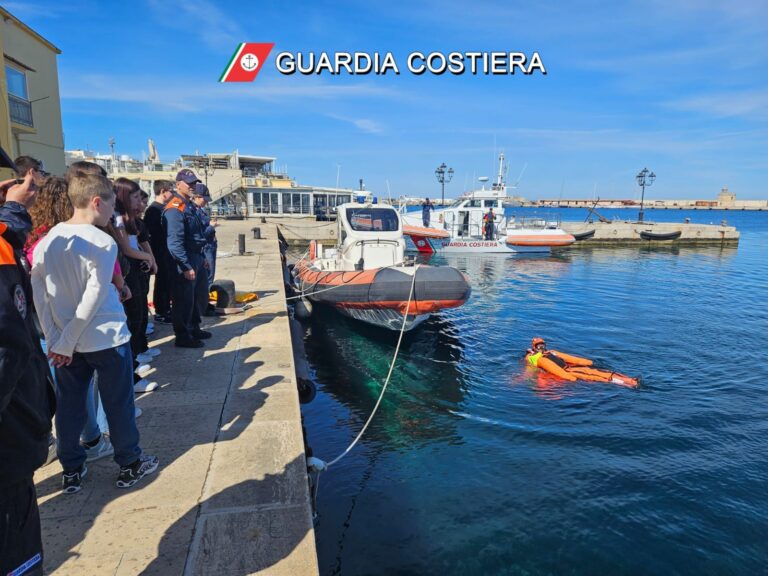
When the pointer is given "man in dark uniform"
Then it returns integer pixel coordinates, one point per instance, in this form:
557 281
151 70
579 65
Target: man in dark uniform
425 209
489 224
27 401
153 218
186 241
201 198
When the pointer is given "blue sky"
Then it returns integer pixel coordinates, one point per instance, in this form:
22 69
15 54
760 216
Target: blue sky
679 86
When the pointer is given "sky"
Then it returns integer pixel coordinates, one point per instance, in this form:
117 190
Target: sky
678 86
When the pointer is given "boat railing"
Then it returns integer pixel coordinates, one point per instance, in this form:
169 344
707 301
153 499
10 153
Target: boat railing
471 230
534 222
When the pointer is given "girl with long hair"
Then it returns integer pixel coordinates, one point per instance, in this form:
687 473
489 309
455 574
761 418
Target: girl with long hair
128 224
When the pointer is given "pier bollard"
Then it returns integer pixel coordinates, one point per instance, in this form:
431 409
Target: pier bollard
256 233
241 243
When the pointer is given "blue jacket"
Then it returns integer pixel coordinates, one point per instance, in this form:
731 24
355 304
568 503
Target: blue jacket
184 232
27 400
425 208
208 231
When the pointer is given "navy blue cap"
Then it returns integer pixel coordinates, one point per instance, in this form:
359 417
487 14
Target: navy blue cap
186 175
202 191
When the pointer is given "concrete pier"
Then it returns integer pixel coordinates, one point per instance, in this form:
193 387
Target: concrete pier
231 494
300 231
623 233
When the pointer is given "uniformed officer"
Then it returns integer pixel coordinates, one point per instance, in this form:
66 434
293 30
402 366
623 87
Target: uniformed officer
186 241
26 398
201 198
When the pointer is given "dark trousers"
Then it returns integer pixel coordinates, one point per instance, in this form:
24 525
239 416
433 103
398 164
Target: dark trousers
21 543
189 298
136 308
210 256
114 367
161 295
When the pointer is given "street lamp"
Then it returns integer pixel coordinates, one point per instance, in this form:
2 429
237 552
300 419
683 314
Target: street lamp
644 178
444 174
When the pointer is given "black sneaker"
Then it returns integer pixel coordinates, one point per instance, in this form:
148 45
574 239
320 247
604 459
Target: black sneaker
132 473
202 334
188 343
71 481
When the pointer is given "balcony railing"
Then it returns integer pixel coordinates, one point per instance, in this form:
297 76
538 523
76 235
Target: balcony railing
21 110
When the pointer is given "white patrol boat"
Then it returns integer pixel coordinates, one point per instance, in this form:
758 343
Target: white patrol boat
462 227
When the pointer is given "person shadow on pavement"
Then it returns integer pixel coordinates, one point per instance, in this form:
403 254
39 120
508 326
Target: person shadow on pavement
244 528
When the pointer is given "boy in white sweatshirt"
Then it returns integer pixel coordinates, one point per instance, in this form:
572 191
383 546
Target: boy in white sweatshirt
86 331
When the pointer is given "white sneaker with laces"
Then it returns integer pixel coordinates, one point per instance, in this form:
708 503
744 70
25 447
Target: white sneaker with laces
144 358
154 352
145 385
103 449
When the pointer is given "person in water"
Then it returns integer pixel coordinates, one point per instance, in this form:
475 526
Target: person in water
569 367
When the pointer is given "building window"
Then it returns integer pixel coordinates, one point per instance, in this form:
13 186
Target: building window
18 97
17 82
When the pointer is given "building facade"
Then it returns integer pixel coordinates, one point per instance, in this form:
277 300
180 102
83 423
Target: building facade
30 106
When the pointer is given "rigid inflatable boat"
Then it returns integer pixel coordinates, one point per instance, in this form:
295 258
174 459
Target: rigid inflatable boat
367 277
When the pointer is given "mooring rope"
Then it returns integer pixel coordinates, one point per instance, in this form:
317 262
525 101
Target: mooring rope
318 465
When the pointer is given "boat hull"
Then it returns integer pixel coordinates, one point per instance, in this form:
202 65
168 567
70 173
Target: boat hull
381 296
469 246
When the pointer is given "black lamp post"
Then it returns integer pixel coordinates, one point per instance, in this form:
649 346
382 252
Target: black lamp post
444 174
644 178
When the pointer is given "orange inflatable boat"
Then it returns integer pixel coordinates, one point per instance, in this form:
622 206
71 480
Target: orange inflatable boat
572 368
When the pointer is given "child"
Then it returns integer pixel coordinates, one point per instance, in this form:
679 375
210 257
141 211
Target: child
86 331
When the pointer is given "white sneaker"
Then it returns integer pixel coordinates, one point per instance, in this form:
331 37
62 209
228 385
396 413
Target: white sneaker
103 449
150 325
144 358
138 411
143 369
154 352
149 330
145 385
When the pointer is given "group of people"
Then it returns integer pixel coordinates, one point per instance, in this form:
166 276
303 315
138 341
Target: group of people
76 256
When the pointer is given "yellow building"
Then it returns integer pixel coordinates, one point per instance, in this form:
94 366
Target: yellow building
30 107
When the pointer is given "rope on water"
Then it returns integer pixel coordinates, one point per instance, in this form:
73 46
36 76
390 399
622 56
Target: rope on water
316 464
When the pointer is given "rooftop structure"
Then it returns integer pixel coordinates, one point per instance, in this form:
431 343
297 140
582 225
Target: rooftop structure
241 184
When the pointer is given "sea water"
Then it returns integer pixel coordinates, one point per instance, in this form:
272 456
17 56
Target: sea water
474 464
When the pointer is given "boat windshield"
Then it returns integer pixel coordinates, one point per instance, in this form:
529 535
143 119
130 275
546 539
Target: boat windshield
373 219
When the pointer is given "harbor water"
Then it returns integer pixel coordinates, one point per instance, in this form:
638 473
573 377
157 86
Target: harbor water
475 465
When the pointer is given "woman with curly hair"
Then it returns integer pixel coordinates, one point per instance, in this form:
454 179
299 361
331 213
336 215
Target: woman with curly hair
51 207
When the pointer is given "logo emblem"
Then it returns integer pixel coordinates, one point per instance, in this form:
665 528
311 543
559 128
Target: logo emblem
20 299
246 62
249 62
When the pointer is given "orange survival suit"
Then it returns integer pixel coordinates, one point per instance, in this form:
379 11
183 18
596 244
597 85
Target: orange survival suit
570 367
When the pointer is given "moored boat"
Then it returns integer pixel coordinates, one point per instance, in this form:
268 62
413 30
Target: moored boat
648 235
462 228
367 277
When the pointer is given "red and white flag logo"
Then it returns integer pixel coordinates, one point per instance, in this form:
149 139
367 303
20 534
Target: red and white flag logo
246 62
